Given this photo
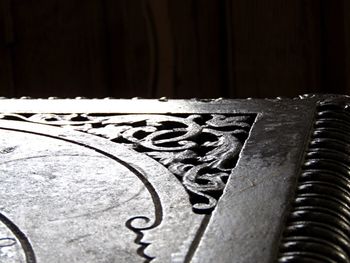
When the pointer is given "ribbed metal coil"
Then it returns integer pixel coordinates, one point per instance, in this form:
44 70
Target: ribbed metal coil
318 226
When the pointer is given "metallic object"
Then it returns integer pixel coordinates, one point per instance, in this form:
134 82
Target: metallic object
174 180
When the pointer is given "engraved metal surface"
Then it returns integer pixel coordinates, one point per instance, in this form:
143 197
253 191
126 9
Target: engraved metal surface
148 181
201 150
318 227
86 212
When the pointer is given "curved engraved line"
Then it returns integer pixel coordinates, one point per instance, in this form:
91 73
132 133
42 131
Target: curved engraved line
27 247
139 235
139 231
154 195
11 242
197 238
20 117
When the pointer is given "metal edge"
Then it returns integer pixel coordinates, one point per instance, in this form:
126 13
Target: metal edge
317 227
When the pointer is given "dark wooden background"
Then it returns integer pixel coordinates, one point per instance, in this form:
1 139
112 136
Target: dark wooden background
174 48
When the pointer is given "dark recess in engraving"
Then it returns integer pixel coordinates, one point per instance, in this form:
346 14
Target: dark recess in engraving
147 224
158 210
7 242
200 150
139 235
318 227
26 246
197 238
8 150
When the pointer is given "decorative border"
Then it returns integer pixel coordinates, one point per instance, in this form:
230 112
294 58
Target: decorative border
318 225
137 224
199 149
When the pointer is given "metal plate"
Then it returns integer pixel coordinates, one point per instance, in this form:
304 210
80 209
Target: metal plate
147 180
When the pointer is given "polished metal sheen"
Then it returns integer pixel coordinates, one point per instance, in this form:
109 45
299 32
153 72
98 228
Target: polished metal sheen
174 180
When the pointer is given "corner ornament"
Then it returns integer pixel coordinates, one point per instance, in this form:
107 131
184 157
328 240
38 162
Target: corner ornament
200 150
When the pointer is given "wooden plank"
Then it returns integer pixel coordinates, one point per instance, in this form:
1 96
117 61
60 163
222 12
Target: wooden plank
347 44
6 42
59 48
209 45
275 48
164 48
134 49
196 29
178 49
334 50
115 61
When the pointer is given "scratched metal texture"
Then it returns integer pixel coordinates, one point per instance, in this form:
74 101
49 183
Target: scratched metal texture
101 180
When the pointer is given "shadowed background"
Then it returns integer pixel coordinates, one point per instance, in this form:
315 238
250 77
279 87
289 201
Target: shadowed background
174 48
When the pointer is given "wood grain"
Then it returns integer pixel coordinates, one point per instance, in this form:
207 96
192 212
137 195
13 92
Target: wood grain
196 35
6 42
178 49
275 48
58 48
333 47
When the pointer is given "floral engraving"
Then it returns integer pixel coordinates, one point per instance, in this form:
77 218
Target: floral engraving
200 150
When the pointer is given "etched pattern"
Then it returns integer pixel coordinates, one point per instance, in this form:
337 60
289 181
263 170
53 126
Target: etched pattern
12 235
200 150
318 228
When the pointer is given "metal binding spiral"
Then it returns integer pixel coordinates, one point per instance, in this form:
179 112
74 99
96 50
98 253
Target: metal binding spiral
318 226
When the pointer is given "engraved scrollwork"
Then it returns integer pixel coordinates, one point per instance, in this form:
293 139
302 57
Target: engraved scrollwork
138 225
200 150
159 132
